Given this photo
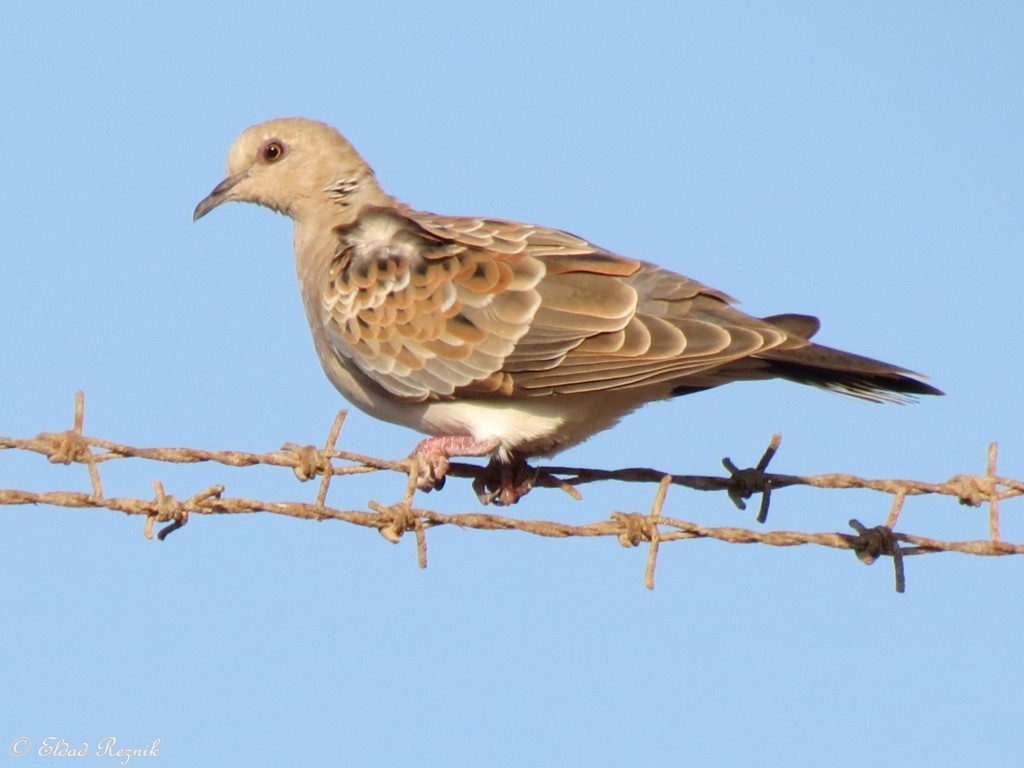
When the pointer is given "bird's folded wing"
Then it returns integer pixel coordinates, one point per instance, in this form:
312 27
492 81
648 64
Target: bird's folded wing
433 307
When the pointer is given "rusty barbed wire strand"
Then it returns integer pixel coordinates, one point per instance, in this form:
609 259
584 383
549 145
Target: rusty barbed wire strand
630 528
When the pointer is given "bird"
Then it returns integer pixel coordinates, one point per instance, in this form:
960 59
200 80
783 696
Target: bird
497 338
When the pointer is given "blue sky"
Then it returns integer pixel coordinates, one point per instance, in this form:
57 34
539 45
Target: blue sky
860 162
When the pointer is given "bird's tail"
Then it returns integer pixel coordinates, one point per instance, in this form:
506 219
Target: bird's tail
847 374
838 371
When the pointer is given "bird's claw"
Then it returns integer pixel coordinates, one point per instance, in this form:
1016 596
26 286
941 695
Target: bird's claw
504 484
431 470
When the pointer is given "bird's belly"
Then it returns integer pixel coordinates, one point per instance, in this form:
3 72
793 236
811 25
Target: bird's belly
523 425
532 426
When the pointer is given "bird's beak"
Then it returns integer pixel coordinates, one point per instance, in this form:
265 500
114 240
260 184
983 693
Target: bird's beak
220 194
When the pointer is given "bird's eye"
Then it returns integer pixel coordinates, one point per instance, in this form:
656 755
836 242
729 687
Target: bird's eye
273 151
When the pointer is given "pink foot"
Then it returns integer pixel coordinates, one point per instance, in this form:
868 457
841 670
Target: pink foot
504 483
434 453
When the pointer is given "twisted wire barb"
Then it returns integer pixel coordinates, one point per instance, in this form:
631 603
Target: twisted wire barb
630 528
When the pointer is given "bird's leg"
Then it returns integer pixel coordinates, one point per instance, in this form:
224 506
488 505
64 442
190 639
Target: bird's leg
434 453
505 482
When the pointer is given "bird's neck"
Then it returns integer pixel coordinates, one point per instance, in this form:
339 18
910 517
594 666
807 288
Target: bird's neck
316 243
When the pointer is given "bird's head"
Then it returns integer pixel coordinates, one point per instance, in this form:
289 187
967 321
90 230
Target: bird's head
296 166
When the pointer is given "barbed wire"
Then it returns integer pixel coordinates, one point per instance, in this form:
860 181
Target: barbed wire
630 528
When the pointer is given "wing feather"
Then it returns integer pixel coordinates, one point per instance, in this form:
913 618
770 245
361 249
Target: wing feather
433 307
